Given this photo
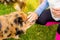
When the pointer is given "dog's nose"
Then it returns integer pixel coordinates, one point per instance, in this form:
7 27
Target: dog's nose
19 32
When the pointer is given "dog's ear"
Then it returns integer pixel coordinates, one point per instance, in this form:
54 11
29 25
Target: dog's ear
17 7
24 16
22 3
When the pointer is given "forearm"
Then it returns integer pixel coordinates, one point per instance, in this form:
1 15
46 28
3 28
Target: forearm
41 7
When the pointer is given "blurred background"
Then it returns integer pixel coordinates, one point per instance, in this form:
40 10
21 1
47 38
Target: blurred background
37 31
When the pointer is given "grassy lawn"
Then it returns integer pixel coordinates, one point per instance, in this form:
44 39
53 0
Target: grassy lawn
36 32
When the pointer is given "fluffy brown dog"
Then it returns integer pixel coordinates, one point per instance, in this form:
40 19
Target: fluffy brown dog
12 25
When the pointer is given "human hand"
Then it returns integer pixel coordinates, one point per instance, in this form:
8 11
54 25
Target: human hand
32 17
56 12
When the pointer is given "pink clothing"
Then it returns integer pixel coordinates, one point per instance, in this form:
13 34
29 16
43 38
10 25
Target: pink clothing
57 36
51 23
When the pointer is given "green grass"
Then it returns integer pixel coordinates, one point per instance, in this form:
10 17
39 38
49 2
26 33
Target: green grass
6 9
36 32
39 32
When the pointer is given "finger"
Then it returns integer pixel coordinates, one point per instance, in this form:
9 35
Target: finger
31 23
30 19
29 16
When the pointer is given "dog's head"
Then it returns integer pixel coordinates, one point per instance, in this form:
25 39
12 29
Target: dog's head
13 24
17 21
17 18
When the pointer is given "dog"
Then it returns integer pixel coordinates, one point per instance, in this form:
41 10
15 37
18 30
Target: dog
17 4
13 25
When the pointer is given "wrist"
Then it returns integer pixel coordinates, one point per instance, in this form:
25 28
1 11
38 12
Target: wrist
36 15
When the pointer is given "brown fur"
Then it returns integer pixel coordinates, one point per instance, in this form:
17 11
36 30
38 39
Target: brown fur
9 26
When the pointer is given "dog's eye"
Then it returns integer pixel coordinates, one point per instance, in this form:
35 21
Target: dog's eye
18 20
11 24
5 31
